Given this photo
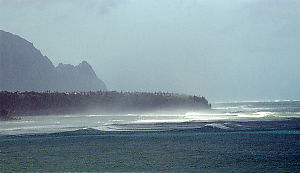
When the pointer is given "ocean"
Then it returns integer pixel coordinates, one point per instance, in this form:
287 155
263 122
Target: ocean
232 137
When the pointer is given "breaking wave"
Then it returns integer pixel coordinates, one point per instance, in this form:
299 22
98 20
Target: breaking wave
223 116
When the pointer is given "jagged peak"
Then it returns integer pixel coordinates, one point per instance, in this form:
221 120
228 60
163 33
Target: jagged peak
26 69
84 65
84 68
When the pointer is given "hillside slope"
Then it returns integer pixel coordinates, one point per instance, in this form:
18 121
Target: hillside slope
24 68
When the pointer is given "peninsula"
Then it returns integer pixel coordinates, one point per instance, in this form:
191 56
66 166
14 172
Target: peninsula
50 103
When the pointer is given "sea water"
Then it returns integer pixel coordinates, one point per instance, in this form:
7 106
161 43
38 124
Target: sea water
232 137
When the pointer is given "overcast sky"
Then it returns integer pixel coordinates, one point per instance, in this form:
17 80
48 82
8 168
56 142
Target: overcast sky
224 50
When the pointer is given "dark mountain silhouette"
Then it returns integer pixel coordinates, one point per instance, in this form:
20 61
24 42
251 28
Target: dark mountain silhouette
24 68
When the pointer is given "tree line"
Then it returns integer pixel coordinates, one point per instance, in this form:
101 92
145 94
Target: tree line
39 103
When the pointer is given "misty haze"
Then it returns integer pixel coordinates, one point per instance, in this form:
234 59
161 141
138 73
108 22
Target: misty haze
149 86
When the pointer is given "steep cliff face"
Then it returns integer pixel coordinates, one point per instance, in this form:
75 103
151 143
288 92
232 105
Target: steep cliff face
24 68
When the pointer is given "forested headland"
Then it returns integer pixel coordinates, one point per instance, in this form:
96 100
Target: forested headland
47 103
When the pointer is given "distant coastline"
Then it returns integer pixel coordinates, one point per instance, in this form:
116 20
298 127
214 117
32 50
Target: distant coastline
56 103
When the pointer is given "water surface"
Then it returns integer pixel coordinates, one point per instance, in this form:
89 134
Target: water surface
233 137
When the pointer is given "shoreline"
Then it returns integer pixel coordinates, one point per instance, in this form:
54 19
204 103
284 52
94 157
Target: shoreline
220 126
55 103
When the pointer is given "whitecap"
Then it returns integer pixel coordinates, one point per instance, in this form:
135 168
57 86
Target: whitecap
161 121
255 115
116 120
96 115
217 125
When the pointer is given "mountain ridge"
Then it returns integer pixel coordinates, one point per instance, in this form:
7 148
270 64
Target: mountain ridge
24 68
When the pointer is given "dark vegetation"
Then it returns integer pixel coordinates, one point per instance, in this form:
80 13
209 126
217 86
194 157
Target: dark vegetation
44 103
6 115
